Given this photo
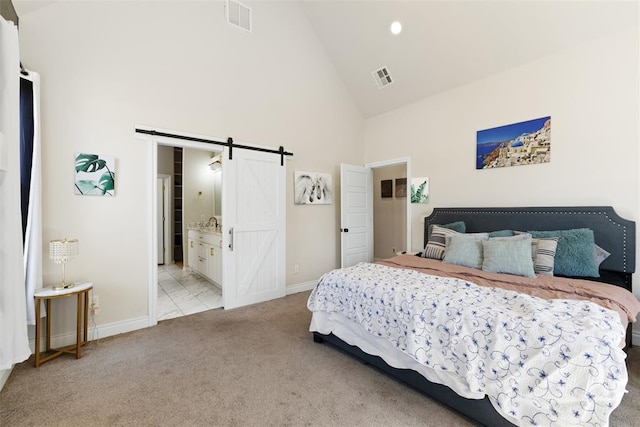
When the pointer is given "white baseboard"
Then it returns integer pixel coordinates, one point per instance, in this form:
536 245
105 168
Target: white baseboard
111 329
301 287
99 332
69 338
4 376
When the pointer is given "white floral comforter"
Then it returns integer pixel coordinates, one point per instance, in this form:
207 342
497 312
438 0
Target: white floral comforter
540 362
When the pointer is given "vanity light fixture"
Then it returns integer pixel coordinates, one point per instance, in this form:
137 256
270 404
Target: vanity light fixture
396 28
216 163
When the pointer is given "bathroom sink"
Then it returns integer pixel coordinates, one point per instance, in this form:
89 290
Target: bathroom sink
212 230
204 227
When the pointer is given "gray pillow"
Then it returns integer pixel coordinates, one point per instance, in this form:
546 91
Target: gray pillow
508 256
500 233
465 251
599 254
518 236
438 241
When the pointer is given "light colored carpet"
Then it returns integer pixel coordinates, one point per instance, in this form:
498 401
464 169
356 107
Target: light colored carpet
253 366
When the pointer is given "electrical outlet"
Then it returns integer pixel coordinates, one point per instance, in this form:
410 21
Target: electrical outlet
296 269
95 305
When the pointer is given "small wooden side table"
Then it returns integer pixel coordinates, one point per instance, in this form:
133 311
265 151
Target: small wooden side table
47 294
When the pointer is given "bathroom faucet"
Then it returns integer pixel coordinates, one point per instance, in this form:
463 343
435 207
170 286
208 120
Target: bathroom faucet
214 219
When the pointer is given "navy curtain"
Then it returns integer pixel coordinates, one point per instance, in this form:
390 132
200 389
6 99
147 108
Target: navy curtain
26 148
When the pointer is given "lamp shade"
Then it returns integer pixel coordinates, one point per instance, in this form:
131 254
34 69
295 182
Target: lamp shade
62 251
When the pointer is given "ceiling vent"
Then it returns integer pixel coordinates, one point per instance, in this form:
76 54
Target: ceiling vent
239 15
382 77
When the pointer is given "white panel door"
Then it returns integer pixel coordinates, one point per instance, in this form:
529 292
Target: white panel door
253 220
356 216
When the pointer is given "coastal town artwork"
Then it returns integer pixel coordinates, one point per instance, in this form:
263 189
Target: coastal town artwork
523 143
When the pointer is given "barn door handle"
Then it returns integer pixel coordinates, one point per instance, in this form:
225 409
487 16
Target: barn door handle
344 230
231 238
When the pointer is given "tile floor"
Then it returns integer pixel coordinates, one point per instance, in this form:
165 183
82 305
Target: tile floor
181 292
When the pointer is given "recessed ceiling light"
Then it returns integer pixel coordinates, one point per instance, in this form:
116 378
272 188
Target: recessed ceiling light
396 28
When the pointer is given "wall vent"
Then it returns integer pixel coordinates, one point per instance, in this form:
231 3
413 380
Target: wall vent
239 15
382 77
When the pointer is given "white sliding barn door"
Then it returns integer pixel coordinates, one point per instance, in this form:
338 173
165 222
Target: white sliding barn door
356 215
253 220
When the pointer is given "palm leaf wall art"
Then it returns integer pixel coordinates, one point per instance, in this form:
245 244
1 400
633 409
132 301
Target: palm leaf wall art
94 175
420 190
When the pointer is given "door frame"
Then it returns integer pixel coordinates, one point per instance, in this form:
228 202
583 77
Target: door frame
395 162
168 216
152 192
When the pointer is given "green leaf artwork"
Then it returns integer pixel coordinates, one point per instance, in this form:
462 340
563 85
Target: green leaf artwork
420 190
95 175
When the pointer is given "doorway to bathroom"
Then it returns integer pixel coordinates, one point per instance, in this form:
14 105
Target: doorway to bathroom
189 205
252 237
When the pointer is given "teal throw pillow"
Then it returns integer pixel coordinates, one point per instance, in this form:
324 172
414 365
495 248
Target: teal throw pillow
574 253
458 226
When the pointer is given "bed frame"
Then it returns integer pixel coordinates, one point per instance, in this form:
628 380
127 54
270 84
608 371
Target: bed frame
611 232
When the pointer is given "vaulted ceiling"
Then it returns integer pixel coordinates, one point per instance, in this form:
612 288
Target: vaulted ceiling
444 44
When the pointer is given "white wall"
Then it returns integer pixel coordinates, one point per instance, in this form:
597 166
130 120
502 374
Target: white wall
107 66
591 94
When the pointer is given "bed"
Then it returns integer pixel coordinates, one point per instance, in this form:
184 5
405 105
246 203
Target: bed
378 313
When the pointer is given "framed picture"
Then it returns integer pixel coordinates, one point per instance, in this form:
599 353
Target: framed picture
94 175
386 188
401 187
420 190
312 188
523 143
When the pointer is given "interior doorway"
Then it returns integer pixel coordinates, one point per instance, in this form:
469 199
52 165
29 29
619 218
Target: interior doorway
185 195
389 211
357 189
251 242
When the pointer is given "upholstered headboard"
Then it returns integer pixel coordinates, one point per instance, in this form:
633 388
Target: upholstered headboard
611 232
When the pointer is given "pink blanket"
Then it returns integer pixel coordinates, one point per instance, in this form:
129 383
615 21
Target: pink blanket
547 287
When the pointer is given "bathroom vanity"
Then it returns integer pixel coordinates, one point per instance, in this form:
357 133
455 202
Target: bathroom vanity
205 253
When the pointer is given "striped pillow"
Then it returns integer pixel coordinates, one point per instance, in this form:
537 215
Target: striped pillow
543 253
437 242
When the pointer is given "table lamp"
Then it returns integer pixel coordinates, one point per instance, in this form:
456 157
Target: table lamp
61 252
